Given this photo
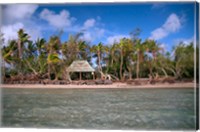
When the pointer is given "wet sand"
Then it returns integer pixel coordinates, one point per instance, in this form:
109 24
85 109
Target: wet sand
114 85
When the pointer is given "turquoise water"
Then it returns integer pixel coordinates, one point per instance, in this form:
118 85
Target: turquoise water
144 109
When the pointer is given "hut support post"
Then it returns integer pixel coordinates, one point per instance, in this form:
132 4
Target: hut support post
93 76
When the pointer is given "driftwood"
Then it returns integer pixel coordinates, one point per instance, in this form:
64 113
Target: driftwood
107 76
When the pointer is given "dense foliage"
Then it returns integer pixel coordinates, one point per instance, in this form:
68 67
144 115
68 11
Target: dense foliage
128 59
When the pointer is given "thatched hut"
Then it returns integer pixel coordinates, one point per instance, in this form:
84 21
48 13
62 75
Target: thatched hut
80 66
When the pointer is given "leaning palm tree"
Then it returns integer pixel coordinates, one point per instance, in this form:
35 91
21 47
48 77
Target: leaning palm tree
29 57
8 54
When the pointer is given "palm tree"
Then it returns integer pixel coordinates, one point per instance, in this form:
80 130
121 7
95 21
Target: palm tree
111 57
53 49
138 47
22 38
152 47
123 48
29 57
74 49
130 58
8 54
41 55
112 53
40 44
140 51
98 50
53 61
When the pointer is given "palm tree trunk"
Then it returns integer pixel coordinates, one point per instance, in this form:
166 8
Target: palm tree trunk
164 71
138 64
49 72
172 70
150 68
20 56
130 75
30 67
121 64
99 61
3 69
19 48
56 77
111 61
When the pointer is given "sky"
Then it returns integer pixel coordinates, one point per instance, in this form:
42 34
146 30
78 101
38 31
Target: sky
167 23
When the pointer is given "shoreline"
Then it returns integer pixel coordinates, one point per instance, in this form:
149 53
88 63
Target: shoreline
114 86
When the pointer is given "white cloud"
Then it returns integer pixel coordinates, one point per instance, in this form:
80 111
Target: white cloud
172 25
158 33
23 16
112 39
15 12
87 37
186 41
34 33
99 32
19 16
93 34
10 31
163 46
89 23
60 20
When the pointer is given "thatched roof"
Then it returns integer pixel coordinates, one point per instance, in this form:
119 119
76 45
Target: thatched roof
80 66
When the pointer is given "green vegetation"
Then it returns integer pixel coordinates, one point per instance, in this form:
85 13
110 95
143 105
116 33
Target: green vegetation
129 59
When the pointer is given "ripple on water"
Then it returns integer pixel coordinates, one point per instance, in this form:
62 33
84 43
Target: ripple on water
168 109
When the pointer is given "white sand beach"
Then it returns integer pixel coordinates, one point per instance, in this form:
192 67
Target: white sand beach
114 85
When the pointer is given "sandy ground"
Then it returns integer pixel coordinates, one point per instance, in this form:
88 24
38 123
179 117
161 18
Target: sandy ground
114 85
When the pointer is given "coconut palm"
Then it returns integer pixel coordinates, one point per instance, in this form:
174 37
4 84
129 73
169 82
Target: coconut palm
124 49
129 57
22 39
29 57
152 48
41 55
98 50
53 49
139 47
74 49
8 54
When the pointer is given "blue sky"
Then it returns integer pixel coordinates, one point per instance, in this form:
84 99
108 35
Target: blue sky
167 23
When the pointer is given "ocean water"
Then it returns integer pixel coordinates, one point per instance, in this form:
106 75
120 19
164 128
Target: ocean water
137 109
